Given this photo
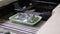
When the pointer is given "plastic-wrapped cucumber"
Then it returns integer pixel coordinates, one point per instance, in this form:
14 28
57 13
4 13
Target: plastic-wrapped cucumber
7 33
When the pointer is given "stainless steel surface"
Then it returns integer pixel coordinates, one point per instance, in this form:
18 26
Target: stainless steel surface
6 2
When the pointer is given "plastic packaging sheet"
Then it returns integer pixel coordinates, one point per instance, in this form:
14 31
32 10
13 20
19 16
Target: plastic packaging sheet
21 28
